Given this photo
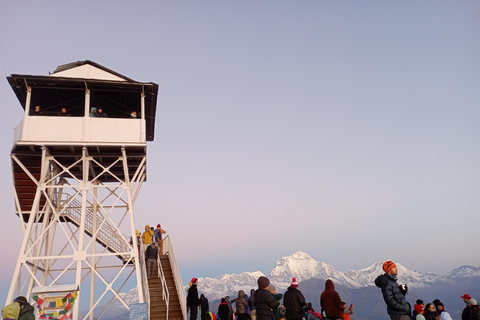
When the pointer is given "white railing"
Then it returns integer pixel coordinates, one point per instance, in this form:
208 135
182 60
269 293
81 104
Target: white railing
165 292
182 299
106 234
146 291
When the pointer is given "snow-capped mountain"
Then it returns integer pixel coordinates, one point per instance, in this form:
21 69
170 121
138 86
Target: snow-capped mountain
366 277
303 267
216 287
464 272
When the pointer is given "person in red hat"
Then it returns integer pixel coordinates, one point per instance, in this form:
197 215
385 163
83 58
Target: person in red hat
466 311
397 306
294 301
192 299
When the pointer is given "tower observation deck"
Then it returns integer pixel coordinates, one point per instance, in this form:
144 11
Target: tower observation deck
78 162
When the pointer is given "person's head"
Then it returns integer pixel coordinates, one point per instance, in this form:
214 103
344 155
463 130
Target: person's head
466 297
151 228
430 307
194 281
37 108
21 300
159 226
344 305
263 282
272 288
420 302
99 110
153 244
133 114
472 302
294 283
223 300
390 268
147 227
440 306
64 110
418 308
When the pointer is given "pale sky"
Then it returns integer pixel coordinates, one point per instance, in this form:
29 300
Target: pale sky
345 129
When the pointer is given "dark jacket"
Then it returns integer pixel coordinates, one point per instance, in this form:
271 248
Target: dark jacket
204 304
251 305
192 298
241 303
151 253
429 315
393 297
223 310
264 303
330 301
26 313
294 301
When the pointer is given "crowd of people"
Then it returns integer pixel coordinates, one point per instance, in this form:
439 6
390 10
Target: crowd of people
95 112
399 309
152 244
265 303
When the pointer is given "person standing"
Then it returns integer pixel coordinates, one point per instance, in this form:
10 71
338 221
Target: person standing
294 302
442 314
264 301
419 309
158 237
241 304
192 299
12 311
429 312
397 306
474 309
204 307
223 310
251 305
151 255
147 237
466 311
347 313
420 303
330 302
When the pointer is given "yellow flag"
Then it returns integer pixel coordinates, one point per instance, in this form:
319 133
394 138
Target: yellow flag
56 314
75 294
58 302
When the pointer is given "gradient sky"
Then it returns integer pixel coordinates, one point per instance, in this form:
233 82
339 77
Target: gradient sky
345 129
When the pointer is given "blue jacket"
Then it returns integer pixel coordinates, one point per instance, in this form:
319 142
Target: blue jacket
394 298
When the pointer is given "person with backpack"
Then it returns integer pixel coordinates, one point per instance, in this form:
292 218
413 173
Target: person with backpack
294 302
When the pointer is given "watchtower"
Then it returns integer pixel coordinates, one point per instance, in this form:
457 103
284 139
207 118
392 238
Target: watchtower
77 171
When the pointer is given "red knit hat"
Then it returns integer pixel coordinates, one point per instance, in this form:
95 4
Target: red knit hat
294 283
418 308
388 265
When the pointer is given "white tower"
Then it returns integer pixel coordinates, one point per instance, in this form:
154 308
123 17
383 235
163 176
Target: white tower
76 178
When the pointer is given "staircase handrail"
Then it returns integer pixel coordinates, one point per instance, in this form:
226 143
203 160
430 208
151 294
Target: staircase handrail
106 234
146 290
165 292
182 299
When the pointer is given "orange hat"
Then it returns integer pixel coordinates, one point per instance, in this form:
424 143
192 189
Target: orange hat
388 265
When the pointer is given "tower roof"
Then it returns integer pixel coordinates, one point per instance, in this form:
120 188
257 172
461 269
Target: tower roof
87 74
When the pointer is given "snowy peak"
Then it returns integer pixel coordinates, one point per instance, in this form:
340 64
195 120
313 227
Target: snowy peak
303 267
464 272
299 265
215 288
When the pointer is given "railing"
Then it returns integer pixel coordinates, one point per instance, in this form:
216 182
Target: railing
165 292
106 234
182 299
146 291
